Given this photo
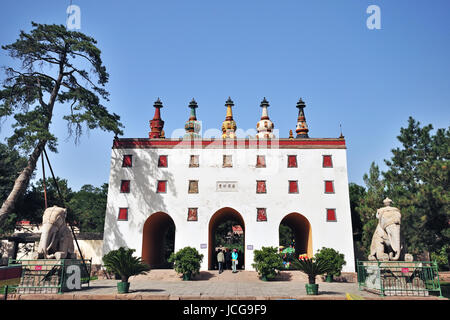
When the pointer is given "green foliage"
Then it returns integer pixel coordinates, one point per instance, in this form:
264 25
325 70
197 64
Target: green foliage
286 235
88 207
225 237
334 259
186 261
441 258
52 58
313 267
267 262
417 179
123 263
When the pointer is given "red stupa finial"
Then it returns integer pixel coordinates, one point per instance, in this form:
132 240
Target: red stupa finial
157 124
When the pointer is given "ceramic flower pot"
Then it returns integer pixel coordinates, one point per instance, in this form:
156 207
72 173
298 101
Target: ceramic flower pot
312 289
123 287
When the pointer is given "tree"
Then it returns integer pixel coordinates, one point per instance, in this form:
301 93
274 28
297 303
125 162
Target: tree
368 205
418 180
33 205
88 207
11 162
356 193
53 70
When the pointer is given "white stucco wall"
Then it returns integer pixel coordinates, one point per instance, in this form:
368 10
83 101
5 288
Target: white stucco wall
311 201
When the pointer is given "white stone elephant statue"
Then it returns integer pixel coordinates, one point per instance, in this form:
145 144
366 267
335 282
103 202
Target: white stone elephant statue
56 238
386 242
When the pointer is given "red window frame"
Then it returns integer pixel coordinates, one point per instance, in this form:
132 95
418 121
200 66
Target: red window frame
329 186
331 215
293 186
123 214
292 161
261 186
127 161
192 214
163 161
260 161
161 186
125 186
261 214
327 161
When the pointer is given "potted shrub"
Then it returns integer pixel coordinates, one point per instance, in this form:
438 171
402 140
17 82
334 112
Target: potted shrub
312 267
122 263
267 262
187 262
335 261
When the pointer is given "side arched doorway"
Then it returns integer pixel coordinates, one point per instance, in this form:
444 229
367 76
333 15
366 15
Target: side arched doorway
300 232
217 220
158 240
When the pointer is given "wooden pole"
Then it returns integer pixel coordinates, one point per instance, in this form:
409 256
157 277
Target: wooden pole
43 178
64 203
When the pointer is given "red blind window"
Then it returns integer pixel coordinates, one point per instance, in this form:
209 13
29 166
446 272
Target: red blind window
260 161
162 162
125 186
123 214
292 161
192 214
261 214
127 160
260 187
331 214
162 187
293 187
329 187
327 162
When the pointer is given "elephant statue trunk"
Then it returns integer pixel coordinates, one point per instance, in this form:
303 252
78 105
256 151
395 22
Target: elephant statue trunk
393 233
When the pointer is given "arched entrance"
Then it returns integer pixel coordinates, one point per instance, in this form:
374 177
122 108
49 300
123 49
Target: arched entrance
300 231
218 219
158 240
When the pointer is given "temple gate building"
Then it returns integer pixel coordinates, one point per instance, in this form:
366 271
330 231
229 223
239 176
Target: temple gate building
191 185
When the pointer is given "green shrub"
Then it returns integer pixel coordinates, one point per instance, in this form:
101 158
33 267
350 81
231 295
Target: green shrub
441 257
187 262
267 262
122 263
334 259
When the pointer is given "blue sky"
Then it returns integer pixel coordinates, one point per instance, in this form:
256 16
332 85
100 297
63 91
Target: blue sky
370 81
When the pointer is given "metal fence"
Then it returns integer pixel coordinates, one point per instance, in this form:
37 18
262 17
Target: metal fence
399 278
47 275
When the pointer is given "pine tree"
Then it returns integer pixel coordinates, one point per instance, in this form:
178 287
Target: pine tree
54 64
418 180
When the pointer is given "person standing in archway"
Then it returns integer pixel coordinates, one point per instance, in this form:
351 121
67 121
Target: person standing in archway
234 260
220 260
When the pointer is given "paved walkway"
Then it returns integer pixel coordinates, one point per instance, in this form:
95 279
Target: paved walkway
245 285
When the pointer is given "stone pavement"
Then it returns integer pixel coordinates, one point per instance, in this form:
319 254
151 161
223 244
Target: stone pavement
245 285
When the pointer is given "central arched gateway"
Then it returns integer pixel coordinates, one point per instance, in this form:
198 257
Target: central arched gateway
217 218
302 233
158 240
